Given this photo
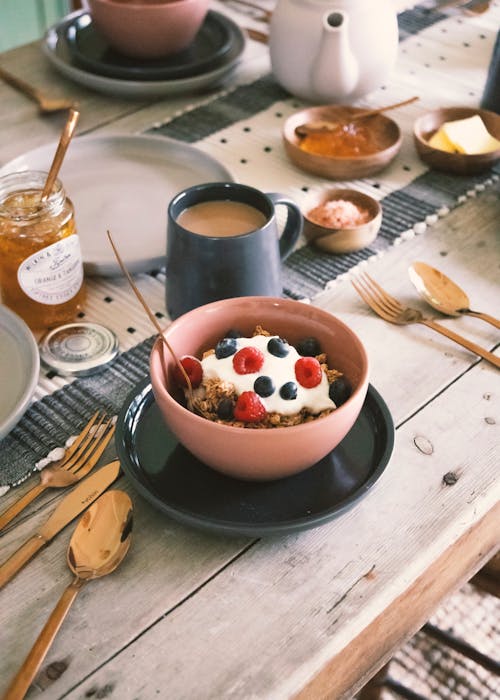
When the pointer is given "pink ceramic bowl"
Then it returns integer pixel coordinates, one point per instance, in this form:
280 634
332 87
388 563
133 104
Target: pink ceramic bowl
259 454
148 28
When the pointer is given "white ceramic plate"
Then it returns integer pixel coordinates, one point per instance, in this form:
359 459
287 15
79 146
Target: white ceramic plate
55 47
124 184
19 368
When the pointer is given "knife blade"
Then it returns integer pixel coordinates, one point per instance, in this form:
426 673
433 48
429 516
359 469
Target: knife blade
72 505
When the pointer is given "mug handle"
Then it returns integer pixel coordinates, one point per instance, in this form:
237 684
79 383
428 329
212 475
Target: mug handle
293 225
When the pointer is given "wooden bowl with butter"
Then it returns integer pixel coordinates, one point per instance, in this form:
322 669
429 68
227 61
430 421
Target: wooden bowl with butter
349 148
440 135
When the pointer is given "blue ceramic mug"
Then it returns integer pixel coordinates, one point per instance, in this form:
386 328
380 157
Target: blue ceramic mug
223 241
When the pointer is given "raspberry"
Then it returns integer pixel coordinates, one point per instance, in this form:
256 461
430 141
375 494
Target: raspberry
248 360
249 408
308 372
193 369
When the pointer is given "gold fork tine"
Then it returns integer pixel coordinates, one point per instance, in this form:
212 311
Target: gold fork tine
89 434
381 293
370 300
90 458
75 445
58 477
393 311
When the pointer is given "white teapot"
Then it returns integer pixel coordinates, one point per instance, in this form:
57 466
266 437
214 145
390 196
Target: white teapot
333 50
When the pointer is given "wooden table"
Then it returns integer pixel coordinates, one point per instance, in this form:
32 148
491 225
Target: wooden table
313 614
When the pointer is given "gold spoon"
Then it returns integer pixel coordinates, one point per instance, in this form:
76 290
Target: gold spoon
442 294
323 125
98 545
45 104
62 146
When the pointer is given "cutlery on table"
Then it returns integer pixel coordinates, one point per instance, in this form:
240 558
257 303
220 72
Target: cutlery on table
45 104
264 16
391 310
443 294
467 7
254 34
78 461
71 506
98 545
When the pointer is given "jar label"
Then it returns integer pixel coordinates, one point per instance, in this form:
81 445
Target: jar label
53 275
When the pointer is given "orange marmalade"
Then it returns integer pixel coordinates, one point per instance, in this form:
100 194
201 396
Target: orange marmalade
41 270
343 140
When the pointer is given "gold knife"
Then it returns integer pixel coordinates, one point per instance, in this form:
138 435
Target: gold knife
71 506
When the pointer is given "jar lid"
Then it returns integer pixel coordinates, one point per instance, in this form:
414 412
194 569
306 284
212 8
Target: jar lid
78 349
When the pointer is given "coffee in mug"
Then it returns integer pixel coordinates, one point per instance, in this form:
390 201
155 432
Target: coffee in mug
222 217
223 241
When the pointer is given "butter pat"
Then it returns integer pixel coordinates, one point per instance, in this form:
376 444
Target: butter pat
468 136
440 141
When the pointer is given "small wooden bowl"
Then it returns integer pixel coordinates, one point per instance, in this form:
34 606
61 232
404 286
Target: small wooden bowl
384 131
348 239
456 163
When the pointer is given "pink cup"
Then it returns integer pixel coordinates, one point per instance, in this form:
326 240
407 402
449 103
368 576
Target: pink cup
147 29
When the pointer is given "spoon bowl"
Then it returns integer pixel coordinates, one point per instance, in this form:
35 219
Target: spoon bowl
98 545
440 292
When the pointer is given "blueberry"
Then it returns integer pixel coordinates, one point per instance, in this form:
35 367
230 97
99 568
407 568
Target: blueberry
288 391
308 347
234 333
278 347
225 409
225 348
263 386
339 391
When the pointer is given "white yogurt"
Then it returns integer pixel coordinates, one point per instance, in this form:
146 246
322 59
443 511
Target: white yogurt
280 369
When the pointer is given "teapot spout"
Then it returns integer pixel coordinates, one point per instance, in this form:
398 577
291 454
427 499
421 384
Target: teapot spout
335 70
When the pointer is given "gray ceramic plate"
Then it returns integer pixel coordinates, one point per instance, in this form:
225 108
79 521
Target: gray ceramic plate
19 368
55 47
182 487
124 184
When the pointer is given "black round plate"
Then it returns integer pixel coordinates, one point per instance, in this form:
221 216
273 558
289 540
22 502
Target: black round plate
211 47
181 486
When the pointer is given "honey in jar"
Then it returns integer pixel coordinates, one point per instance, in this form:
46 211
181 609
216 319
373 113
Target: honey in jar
41 270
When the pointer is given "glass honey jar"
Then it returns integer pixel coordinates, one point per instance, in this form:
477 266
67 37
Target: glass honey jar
41 269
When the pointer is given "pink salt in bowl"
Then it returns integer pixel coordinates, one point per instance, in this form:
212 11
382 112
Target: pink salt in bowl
265 453
341 220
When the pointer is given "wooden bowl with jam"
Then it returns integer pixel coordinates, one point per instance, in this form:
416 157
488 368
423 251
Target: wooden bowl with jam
329 141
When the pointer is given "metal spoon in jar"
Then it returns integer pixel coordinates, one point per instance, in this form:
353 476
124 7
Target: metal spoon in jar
98 545
442 294
62 146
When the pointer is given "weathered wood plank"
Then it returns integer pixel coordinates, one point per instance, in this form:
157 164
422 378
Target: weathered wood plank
295 601
271 620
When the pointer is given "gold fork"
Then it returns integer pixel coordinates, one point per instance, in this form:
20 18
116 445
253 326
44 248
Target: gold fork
391 310
78 461
45 104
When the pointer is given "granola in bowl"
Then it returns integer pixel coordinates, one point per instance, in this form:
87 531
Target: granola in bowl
263 382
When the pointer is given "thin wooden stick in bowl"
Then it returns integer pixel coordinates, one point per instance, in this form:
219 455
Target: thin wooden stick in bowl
153 320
